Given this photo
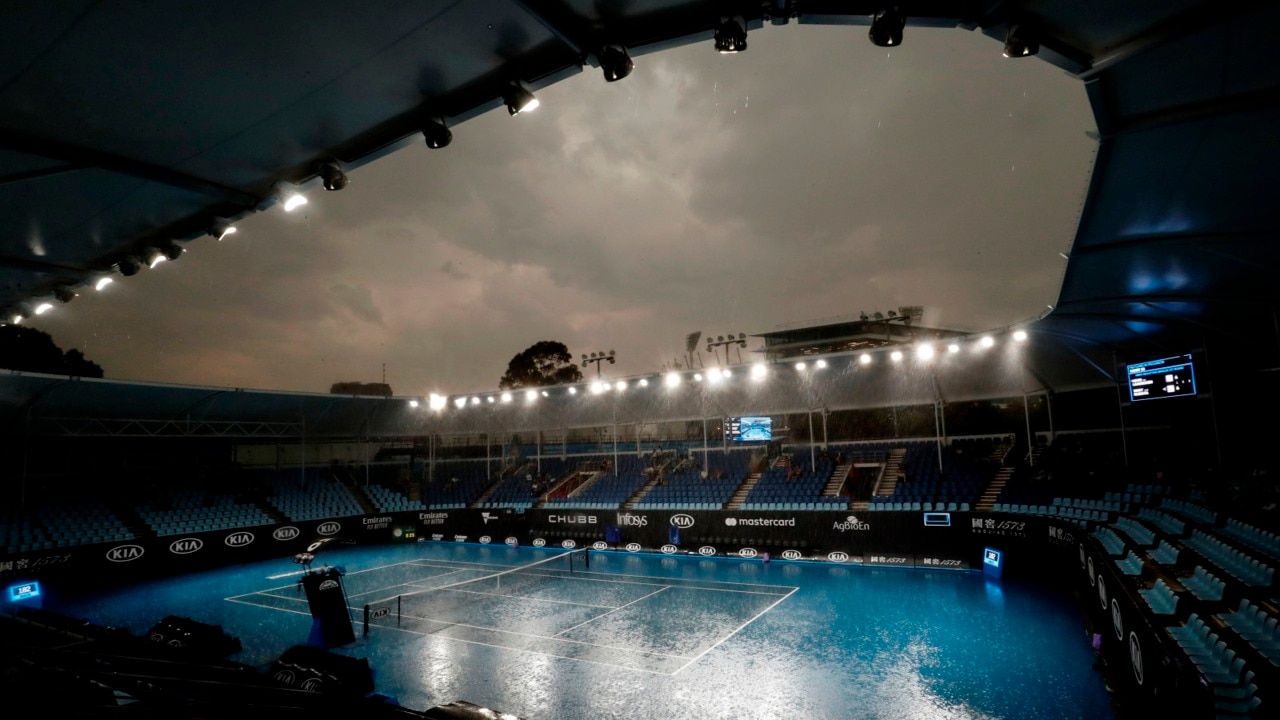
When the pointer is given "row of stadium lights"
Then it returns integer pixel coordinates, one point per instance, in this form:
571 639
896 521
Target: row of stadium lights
924 352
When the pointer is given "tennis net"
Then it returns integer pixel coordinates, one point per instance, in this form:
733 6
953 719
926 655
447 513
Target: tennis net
522 581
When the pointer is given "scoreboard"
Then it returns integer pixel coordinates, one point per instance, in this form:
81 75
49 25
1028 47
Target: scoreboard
1164 378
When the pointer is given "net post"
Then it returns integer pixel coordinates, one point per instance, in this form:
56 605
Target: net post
366 620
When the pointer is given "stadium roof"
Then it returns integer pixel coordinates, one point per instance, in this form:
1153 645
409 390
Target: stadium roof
126 127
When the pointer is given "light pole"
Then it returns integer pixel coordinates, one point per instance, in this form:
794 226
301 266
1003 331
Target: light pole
725 341
597 358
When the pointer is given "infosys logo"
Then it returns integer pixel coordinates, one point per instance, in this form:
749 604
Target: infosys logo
632 520
682 520
185 546
288 532
125 553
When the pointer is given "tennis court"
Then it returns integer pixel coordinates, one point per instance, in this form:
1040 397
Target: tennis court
640 635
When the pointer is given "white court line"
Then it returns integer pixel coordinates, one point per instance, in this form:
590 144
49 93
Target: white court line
620 580
530 598
735 632
268 607
409 583
633 602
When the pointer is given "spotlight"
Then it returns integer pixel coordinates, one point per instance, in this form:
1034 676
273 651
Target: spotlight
220 228
730 37
518 99
573 391
672 379
1020 335
987 341
886 28
953 348
1020 42
331 173
437 402
129 265
436 133
64 294
43 308
506 397
102 283
530 395
820 364
800 366
413 403
460 402
488 399
615 62
697 377
896 356
153 257
620 385
865 358
475 400
644 382
924 351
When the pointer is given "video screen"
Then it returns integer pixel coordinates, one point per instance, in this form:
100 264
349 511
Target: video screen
748 429
1164 378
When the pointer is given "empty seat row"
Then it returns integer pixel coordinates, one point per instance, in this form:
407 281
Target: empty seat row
1205 585
1216 662
1239 565
1110 541
1130 564
1165 554
1139 533
1160 598
1257 627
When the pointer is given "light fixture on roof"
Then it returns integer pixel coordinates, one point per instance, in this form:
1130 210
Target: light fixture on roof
924 351
288 195
672 379
731 37
820 364
43 308
331 173
573 391
953 348
460 402
102 283
436 133
801 365
488 399
865 358
506 397
413 403
530 395
615 62
1020 42
987 341
896 356
1020 335
518 99
220 228
620 385
759 371
436 402
64 294
886 28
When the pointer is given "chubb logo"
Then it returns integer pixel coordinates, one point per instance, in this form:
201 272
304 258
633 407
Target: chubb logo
706 550
485 539
731 522
568 544
682 520
747 552
838 556
630 520
125 553
669 549
328 585
185 546
633 547
287 532
1116 620
600 545
512 541
851 523
328 528
285 677
792 555
539 542
239 539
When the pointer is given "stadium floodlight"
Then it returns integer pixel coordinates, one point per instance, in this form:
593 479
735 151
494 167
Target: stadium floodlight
43 308
865 358
436 133
506 397
530 395
437 402
924 351
953 348
697 377
413 403
573 391
620 385
1020 42
1020 335
518 99
731 37
726 373
331 173
545 394
643 382
886 28
475 400
615 62
896 356
801 366
672 379
460 402
220 228
102 283
714 376
288 195
489 399
820 364
759 371
987 341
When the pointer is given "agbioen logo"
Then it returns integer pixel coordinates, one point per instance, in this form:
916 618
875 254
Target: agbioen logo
185 546
682 520
288 532
851 524
328 528
125 553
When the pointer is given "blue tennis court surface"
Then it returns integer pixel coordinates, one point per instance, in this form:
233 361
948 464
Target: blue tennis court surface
641 635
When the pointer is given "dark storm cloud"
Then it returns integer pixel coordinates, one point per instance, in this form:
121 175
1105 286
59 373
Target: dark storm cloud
813 176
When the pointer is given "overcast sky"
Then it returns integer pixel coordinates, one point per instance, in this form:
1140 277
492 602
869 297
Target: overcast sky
811 177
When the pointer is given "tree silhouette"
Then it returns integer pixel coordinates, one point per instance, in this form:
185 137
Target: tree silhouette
543 363
30 350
